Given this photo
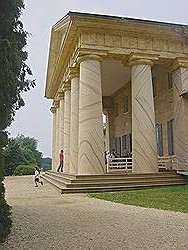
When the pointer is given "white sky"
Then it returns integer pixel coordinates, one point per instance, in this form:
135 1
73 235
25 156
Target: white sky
35 119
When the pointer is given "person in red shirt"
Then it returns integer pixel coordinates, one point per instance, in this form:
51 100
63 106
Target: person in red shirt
61 158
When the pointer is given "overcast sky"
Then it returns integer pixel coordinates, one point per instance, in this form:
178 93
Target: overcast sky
35 119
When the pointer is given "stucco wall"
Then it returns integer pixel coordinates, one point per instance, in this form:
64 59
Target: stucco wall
120 124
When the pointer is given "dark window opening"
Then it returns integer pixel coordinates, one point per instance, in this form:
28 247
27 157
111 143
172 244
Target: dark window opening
159 138
170 137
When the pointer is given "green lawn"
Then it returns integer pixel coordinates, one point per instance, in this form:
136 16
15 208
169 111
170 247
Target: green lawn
168 198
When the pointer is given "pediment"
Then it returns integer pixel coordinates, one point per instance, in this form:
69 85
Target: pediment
58 35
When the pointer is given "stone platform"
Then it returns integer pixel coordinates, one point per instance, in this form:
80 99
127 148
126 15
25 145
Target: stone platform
67 183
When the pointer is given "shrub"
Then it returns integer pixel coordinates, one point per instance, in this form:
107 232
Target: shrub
5 209
5 215
24 170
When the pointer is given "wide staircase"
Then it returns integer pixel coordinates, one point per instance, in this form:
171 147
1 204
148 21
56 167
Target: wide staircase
67 183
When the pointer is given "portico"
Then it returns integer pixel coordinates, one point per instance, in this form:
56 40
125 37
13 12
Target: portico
134 71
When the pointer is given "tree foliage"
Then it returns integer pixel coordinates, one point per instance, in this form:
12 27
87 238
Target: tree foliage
13 81
21 151
13 70
25 170
46 164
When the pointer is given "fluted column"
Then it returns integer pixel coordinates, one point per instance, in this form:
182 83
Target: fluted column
61 119
67 109
143 116
57 136
180 98
107 132
74 76
53 110
91 144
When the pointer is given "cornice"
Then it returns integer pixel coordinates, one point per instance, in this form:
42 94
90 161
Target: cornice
53 110
67 86
60 95
73 72
56 104
149 35
181 62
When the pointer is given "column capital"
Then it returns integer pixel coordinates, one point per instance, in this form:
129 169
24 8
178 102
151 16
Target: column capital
56 104
53 110
89 58
67 86
140 58
60 95
73 72
179 62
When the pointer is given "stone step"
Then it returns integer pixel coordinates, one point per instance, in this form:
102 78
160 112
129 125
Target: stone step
114 175
119 181
106 181
53 183
67 183
99 186
58 176
102 184
115 189
111 188
111 176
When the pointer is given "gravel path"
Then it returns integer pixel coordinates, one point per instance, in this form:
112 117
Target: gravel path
44 219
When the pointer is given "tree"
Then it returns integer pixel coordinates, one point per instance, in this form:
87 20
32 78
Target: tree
46 164
21 151
12 152
13 74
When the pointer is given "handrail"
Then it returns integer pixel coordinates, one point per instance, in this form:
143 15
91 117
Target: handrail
179 162
172 162
168 162
119 164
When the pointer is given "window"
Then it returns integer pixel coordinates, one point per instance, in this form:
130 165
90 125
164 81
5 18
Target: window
125 104
159 138
126 144
170 137
116 109
118 146
123 142
169 80
154 85
130 142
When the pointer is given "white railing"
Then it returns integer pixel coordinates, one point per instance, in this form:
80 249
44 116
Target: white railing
179 163
172 162
119 164
166 162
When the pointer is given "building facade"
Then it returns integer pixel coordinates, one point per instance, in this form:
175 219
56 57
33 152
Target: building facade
135 73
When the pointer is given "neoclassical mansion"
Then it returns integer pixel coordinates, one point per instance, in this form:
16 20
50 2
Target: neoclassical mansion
135 72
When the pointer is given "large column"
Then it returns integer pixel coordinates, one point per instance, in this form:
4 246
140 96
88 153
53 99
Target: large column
107 132
143 116
67 109
57 136
74 76
53 110
61 119
180 98
91 144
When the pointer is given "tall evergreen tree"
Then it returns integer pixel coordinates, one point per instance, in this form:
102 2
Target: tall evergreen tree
13 73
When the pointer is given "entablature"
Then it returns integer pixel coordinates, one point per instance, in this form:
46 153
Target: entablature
111 38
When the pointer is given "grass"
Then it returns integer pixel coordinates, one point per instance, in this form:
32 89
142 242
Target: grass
174 198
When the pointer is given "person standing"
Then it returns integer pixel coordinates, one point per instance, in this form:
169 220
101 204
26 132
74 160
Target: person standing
37 177
61 158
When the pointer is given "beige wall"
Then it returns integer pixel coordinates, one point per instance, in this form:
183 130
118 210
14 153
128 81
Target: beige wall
163 102
121 124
